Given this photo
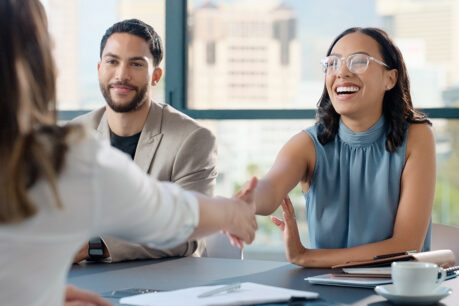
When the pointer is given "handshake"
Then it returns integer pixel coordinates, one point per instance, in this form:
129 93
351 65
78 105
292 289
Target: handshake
245 224
234 217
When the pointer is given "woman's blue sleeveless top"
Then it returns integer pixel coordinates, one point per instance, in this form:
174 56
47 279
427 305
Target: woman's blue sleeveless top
355 188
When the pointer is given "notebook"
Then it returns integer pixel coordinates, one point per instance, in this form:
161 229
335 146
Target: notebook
364 282
375 272
382 272
443 258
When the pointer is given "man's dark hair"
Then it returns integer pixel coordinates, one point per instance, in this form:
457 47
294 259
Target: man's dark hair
140 29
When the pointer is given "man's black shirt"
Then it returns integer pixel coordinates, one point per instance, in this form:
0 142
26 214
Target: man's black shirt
127 144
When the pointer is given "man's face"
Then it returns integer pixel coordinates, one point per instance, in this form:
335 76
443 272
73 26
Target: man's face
126 72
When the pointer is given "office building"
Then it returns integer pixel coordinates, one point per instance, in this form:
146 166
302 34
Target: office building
64 27
435 23
242 55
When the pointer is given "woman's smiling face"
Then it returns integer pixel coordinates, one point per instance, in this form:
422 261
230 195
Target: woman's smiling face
359 95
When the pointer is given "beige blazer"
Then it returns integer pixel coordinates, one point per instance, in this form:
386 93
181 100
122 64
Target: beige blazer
172 147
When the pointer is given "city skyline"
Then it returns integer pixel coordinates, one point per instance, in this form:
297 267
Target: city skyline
77 32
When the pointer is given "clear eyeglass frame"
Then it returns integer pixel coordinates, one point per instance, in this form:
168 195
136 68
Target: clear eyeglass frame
356 63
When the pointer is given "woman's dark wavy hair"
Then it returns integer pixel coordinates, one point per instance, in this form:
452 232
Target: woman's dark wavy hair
397 105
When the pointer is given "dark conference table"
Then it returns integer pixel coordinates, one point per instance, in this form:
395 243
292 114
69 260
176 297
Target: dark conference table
170 274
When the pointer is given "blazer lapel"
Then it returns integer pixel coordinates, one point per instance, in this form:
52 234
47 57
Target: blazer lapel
103 129
149 138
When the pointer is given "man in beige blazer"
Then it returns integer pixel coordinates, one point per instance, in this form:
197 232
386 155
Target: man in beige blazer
161 140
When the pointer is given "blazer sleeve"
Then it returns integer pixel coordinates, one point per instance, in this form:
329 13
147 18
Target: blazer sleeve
194 167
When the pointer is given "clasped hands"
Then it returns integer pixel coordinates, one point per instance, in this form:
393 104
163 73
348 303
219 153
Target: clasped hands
293 246
247 195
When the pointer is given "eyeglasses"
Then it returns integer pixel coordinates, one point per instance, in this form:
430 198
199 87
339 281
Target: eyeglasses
356 63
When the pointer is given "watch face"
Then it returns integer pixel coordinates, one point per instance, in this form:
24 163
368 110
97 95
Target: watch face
96 252
96 249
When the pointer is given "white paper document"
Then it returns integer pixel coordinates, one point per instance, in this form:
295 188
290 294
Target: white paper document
248 293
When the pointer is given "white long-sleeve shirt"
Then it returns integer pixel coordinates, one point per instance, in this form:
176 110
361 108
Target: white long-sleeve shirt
103 192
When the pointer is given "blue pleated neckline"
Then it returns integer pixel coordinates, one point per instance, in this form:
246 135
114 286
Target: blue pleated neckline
362 138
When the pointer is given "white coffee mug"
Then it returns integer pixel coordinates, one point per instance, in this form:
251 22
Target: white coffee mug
416 278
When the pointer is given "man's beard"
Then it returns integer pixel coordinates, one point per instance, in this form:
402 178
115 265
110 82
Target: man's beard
139 99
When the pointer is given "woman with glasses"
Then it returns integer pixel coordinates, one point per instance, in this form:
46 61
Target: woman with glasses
60 186
367 167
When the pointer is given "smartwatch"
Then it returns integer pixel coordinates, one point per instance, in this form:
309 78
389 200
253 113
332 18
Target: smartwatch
96 249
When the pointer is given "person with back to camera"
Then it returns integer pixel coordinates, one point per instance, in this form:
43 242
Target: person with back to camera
367 167
59 186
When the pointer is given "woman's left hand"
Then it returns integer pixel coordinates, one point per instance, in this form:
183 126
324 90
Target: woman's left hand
293 247
78 297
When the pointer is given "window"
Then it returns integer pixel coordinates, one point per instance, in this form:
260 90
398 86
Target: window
77 27
248 148
250 71
210 53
